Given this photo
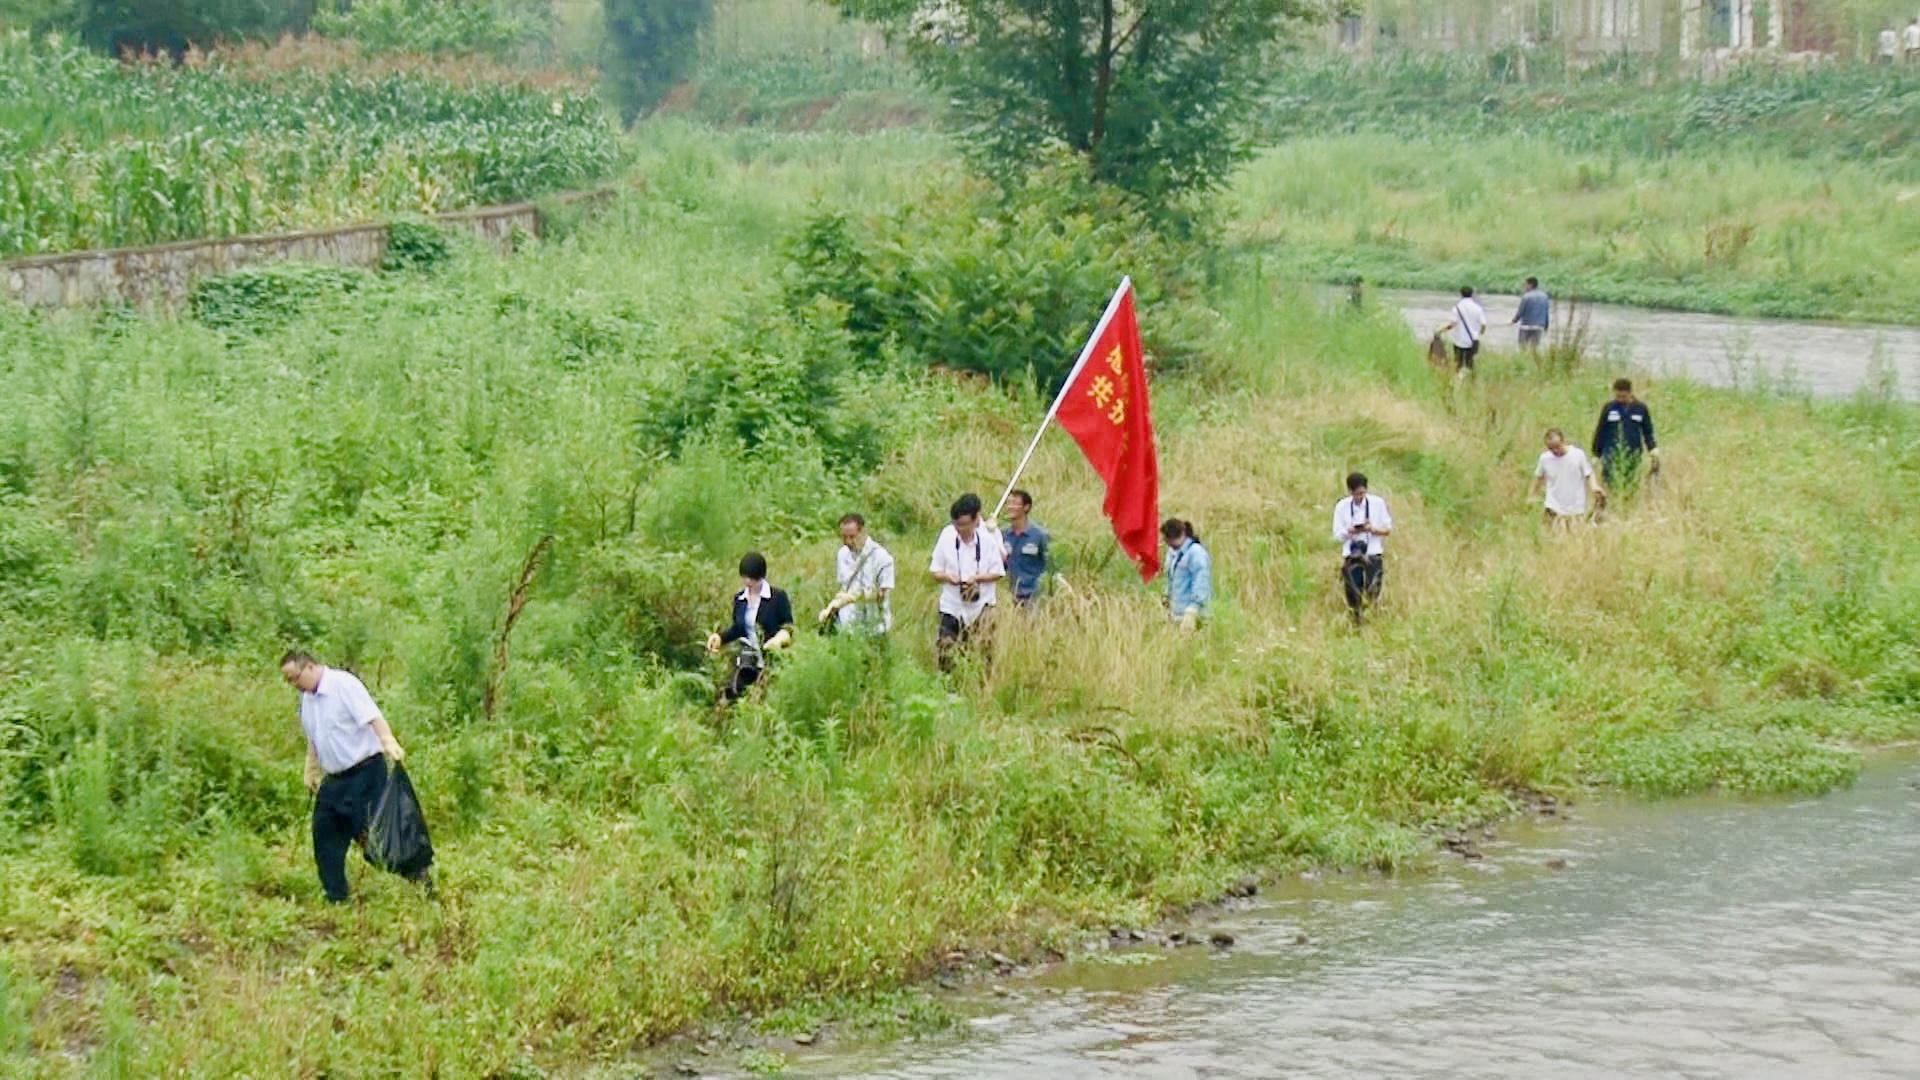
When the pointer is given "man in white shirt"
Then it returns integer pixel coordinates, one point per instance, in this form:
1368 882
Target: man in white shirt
864 570
348 747
1467 328
1361 523
968 562
1889 47
1566 476
1910 37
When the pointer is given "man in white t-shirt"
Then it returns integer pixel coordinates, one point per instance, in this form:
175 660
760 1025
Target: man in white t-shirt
1467 325
968 562
864 570
1910 38
1566 476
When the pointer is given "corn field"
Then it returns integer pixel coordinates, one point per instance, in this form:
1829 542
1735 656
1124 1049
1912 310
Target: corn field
95 153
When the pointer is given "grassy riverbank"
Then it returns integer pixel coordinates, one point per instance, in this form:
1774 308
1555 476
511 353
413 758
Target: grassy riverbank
1789 194
367 473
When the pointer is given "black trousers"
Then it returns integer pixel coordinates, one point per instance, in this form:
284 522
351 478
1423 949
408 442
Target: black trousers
341 812
1463 356
1363 576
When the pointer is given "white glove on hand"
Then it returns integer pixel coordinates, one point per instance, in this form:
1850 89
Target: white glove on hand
779 641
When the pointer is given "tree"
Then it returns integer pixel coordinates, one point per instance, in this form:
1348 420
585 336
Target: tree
173 25
651 44
1155 94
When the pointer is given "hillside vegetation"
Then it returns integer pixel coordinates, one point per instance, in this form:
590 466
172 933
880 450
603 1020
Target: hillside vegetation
362 463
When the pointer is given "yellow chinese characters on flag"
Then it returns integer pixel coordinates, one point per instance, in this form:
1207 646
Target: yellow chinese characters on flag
1104 407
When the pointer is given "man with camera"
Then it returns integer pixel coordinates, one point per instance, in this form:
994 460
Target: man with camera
1361 523
968 561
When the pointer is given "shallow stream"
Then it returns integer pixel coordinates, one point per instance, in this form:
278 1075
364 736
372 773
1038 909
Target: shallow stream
1705 937
1826 359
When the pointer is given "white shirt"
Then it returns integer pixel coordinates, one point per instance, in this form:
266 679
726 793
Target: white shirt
1469 322
984 555
1887 42
753 599
338 718
865 572
1911 35
1346 516
1567 477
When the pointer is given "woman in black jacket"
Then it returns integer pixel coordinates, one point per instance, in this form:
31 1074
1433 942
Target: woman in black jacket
762 623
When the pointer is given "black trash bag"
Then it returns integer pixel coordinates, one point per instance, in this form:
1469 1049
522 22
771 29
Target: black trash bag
397 837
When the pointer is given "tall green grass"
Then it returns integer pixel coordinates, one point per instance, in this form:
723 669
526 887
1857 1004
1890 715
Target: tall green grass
366 473
1769 192
1732 232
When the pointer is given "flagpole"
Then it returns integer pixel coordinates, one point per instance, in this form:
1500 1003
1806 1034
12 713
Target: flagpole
1086 353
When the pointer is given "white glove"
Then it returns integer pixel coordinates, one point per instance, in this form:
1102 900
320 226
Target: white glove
779 641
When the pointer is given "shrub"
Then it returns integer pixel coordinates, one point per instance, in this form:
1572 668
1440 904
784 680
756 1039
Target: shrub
969 281
496 28
415 245
258 298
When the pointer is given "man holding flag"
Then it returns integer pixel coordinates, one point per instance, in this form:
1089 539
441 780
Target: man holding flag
1104 407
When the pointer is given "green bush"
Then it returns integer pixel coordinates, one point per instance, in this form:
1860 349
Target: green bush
496 28
971 281
415 245
259 298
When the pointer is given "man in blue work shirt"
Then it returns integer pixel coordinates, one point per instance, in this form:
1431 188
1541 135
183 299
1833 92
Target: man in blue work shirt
1534 314
1027 547
1624 434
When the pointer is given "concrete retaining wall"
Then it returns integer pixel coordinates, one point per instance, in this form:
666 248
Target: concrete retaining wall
161 276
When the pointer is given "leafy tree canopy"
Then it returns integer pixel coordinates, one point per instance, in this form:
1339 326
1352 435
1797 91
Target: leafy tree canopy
1155 94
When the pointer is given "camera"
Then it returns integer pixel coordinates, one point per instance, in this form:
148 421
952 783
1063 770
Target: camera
969 592
1357 549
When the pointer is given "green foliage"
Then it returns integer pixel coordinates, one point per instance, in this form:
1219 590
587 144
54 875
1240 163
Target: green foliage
173 25
973 280
495 28
257 298
105 155
1155 97
415 245
650 47
1847 112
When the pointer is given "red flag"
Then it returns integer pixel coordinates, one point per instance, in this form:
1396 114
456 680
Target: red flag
1104 408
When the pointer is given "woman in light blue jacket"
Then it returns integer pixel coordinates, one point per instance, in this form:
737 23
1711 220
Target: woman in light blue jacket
1189 573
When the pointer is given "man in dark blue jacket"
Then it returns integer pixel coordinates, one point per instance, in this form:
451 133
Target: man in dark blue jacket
1624 434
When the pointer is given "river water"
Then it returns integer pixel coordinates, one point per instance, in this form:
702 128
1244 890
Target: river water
1696 938
1826 359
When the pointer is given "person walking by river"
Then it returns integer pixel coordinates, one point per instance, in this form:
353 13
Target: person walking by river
762 623
349 746
1533 316
864 570
1566 477
1189 574
1623 437
1468 325
1361 524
